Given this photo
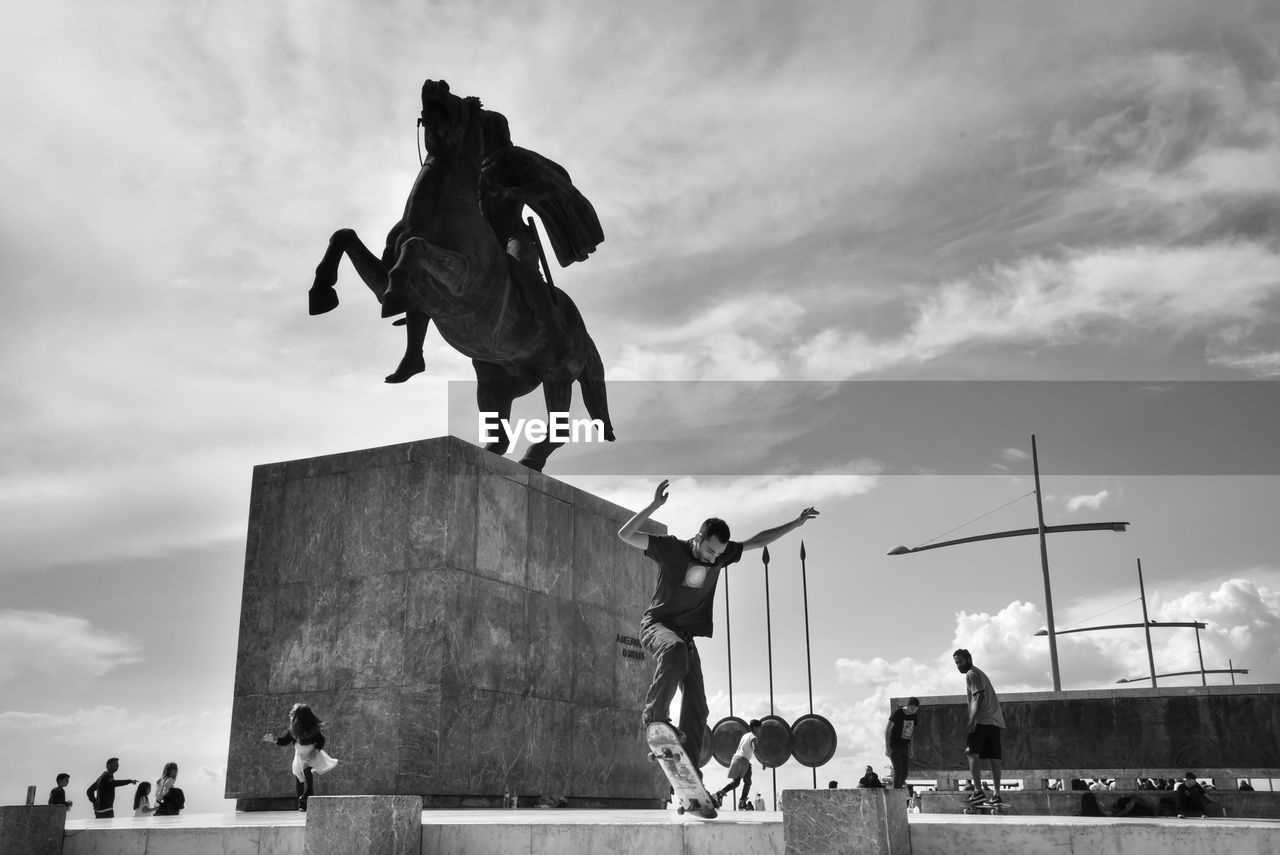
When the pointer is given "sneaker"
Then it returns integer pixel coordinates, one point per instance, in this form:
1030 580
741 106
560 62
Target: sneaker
977 797
995 799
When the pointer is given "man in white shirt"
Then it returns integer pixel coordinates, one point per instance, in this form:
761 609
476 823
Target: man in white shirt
740 767
986 722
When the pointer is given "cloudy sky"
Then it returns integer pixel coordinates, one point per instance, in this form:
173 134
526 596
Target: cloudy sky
800 198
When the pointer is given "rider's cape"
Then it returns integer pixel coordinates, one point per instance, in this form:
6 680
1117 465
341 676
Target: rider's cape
545 186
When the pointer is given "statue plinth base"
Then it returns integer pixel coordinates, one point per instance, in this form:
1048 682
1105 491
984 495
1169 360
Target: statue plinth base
463 626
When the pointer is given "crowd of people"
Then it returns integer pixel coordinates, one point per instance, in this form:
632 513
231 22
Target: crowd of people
169 800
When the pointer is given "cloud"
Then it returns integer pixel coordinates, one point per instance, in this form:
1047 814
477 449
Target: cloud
60 646
1262 363
743 338
1079 294
1092 502
1243 626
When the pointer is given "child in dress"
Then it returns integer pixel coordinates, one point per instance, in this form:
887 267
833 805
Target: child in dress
142 800
308 749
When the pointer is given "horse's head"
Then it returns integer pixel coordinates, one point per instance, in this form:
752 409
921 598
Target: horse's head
451 124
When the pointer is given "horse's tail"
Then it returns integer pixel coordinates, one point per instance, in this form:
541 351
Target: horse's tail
593 392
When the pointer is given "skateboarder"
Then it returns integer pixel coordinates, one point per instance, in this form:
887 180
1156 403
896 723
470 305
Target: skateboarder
740 767
985 723
688 571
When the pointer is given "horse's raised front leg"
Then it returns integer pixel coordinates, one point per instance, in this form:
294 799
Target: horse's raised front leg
559 397
322 297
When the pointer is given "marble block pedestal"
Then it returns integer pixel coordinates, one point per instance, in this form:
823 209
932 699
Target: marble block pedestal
828 822
32 829
363 825
464 627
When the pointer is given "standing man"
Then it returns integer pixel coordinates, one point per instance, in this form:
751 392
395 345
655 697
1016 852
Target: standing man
102 792
681 609
985 723
897 740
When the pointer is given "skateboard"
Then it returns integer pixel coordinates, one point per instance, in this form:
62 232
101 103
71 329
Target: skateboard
665 749
985 807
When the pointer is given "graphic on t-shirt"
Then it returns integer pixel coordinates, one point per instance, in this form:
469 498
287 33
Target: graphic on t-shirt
908 727
695 575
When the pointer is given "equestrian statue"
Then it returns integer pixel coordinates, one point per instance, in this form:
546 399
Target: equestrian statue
461 256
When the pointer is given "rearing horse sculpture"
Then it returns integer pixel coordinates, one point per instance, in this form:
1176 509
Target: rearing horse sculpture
443 263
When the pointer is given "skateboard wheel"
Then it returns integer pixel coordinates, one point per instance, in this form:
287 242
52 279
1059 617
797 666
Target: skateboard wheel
680 810
653 758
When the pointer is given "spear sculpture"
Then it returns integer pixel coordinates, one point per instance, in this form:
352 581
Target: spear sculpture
768 623
808 659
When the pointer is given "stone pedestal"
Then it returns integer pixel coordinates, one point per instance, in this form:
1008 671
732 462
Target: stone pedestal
833 822
363 825
32 829
464 627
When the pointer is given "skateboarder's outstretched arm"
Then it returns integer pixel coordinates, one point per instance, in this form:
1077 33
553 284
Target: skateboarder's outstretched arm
630 533
769 535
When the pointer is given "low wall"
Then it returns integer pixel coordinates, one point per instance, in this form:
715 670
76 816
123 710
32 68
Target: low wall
1215 731
1226 803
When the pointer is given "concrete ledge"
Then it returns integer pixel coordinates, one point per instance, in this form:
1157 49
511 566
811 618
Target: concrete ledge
827 822
32 829
587 832
942 834
364 825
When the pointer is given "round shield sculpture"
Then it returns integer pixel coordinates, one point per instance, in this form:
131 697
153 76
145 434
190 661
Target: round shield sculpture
704 756
773 747
813 740
725 737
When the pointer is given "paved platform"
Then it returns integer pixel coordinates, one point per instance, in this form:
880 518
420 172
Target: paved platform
530 831
570 832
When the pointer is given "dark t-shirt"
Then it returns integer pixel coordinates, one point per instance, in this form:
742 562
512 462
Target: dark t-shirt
57 796
686 588
1190 795
103 791
903 728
